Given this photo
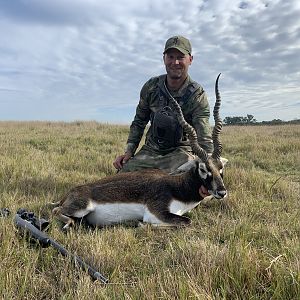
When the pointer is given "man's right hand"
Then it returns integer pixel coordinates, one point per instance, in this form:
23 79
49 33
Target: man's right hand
121 160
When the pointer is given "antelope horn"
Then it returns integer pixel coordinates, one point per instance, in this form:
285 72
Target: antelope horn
218 123
201 153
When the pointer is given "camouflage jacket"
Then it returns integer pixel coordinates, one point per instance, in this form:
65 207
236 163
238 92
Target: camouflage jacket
195 109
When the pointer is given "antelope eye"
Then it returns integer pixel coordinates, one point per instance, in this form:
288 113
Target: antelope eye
202 170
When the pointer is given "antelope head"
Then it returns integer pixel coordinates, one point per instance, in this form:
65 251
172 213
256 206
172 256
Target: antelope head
210 167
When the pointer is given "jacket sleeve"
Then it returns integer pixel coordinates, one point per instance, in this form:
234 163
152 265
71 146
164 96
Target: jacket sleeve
141 119
200 121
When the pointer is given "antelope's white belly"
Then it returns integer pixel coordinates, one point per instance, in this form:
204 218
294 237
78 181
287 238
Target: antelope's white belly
106 214
179 208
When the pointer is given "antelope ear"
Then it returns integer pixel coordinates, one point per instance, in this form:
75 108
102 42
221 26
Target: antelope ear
185 167
198 163
223 160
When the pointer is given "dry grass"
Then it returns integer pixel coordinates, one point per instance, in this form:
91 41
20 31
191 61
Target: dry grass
246 247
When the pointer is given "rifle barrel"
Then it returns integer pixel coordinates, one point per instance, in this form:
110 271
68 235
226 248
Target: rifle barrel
46 241
77 260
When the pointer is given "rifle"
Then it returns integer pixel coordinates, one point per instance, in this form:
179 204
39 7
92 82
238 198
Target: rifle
33 226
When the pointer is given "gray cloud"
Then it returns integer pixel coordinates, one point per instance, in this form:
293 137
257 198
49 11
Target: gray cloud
87 59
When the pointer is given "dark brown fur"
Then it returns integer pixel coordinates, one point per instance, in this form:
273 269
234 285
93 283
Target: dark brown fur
155 190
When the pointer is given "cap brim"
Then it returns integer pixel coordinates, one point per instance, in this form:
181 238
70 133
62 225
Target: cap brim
184 51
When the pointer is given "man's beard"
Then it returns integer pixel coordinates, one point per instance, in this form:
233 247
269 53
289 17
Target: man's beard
174 75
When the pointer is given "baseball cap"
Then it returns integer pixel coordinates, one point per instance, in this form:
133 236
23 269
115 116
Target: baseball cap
180 43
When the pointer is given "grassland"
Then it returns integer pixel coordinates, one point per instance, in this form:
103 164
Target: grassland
245 247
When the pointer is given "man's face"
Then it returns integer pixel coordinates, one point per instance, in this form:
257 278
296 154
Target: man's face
177 63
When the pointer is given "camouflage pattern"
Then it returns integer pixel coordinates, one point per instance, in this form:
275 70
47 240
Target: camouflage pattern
196 112
150 158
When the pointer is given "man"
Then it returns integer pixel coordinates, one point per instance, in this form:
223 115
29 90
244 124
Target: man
167 146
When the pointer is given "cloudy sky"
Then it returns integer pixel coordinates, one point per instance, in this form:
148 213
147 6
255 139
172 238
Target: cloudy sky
88 59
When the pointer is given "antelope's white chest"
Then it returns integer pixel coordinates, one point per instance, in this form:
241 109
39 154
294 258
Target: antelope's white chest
179 208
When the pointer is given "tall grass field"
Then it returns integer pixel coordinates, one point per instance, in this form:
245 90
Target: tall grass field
246 246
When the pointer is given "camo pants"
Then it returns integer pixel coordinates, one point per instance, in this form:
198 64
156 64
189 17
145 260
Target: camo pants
149 158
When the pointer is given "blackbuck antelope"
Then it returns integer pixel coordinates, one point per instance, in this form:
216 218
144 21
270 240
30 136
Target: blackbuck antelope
151 196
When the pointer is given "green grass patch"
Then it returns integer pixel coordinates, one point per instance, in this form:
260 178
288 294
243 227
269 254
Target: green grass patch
244 247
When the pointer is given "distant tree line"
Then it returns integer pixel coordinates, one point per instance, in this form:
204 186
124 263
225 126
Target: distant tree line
250 120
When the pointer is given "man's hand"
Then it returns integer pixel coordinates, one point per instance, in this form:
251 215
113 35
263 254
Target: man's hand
121 160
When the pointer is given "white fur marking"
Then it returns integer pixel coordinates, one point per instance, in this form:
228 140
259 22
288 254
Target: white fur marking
224 161
154 221
83 212
179 208
202 170
151 218
110 213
